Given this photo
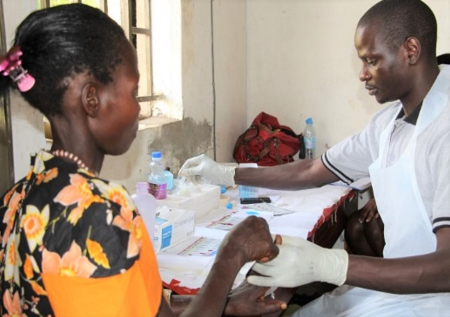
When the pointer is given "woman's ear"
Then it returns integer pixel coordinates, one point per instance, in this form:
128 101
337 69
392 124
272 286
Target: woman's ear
90 99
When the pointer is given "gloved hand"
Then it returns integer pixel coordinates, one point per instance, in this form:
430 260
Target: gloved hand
301 262
204 166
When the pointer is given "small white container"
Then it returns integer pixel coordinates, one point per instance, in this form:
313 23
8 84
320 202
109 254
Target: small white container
201 198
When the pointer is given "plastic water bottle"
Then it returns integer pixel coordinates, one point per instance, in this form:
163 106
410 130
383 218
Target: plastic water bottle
309 137
146 205
157 180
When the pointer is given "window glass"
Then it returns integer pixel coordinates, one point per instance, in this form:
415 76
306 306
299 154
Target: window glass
93 3
142 44
141 19
59 2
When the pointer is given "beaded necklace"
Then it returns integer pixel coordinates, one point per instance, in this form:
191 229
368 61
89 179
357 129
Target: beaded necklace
72 157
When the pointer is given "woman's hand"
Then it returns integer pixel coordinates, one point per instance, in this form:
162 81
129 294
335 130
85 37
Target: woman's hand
249 241
251 300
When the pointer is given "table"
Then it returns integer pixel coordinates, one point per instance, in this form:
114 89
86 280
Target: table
320 215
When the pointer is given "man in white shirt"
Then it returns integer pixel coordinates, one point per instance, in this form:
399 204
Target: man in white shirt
405 149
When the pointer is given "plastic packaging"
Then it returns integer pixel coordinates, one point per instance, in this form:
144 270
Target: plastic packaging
157 180
248 191
309 137
146 205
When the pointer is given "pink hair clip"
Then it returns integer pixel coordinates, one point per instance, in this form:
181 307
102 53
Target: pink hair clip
11 65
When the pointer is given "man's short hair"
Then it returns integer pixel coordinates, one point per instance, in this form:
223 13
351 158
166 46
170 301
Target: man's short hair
397 20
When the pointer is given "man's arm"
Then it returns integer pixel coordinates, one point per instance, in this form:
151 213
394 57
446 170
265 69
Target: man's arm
428 273
301 262
299 174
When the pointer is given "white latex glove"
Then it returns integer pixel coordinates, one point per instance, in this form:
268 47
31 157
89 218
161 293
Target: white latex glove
202 165
301 262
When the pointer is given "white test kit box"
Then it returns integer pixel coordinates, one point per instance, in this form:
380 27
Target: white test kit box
201 198
172 226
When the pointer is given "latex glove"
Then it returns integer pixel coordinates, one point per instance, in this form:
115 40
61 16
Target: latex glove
301 262
202 165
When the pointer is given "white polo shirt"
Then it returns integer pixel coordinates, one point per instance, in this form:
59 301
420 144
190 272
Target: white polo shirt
350 159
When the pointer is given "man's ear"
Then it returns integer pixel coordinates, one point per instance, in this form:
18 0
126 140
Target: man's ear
90 99
413 49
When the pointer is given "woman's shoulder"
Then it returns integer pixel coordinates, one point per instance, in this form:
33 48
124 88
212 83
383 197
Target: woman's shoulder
103 224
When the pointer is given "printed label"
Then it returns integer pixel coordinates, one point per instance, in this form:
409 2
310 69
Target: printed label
310 143
166 237
159 191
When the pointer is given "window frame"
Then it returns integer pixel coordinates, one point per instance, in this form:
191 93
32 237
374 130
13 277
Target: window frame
132 31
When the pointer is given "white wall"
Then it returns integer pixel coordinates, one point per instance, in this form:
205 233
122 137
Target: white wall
230 61
302 63
193 135
209 96
290 58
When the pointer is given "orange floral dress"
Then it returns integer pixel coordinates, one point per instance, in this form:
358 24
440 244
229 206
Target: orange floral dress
74 244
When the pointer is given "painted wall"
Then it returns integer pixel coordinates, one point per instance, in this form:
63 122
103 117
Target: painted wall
230 70
178 140
290 58
302 63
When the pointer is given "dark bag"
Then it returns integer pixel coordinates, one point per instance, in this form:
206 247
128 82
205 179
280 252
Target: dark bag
267 142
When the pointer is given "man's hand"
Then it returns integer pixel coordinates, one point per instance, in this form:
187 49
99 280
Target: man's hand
301 262
204 166
369 211
250 240
250 300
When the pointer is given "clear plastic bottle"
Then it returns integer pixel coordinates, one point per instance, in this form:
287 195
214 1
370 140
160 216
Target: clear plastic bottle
146 205
309 137
157 180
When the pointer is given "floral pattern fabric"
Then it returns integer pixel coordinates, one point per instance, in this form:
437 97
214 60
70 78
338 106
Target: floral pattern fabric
61 219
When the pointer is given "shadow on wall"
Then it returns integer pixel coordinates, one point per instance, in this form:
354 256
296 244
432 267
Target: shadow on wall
182 140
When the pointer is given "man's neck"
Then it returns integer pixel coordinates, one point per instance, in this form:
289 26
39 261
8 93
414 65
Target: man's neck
420 91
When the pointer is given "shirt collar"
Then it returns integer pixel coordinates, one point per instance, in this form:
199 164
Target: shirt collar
412 118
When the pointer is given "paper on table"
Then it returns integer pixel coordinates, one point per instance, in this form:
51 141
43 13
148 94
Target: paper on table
225 219
191 271
312 200
271 208
190 261
297 224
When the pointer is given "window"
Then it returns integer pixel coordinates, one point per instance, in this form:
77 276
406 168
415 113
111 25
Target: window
135 18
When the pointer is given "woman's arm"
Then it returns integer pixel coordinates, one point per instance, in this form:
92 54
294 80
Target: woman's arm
250 240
